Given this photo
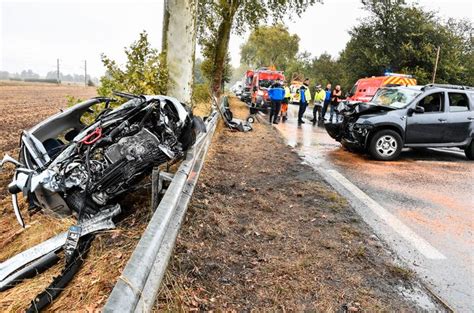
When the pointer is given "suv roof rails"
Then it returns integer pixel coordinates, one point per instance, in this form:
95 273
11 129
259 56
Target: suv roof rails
458 87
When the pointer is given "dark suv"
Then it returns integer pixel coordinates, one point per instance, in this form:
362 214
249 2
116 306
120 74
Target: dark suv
397 117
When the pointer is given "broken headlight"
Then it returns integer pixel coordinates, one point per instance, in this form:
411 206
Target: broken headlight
362 129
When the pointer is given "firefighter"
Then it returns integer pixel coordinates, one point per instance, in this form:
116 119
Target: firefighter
319 98
276 94
305 97
284 104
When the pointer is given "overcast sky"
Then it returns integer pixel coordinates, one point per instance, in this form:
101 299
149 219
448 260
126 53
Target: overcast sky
33 34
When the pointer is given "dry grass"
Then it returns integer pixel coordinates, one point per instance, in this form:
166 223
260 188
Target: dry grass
202 109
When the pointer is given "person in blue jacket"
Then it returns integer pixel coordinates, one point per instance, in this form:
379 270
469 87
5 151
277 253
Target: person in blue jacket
327 100
276 93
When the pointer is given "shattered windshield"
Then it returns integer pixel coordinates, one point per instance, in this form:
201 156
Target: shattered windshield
395 98
266 83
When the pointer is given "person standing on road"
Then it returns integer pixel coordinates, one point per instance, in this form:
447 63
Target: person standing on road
276 94
335 99
327 100
319 98
284 104
305 97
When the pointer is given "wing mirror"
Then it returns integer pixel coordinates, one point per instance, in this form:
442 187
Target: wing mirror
255 88
418 110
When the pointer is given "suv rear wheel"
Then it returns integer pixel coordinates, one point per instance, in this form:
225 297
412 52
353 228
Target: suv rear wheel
469 151
386 145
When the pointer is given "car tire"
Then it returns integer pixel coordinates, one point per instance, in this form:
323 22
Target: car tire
469 151
385 145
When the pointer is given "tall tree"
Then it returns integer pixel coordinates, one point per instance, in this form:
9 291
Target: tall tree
217 18
400 37
270 45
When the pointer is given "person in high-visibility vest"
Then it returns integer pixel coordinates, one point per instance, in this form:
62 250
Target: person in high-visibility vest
284 104
319 97
305 98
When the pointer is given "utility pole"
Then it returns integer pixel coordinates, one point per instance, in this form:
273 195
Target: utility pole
57 72
436 64
85 73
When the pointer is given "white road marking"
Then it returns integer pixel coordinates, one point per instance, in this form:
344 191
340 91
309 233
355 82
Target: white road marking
398 226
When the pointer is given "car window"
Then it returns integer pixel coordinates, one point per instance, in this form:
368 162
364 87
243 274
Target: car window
458 102
433 102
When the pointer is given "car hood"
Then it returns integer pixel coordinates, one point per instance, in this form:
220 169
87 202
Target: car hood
366 108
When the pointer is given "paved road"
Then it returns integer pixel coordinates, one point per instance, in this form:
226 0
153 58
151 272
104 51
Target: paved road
423 204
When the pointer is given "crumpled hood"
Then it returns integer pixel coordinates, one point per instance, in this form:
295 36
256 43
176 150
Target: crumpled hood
365 108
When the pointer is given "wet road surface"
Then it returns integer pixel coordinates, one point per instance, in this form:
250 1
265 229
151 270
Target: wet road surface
430 191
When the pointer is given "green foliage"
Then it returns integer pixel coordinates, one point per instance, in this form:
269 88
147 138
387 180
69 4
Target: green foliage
145 71
404 38
270 45
201 93
216 20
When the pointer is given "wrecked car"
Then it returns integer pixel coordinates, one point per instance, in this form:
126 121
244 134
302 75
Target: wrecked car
417 116
66 167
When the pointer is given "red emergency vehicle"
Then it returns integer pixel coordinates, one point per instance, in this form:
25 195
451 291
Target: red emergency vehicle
263 78
365 88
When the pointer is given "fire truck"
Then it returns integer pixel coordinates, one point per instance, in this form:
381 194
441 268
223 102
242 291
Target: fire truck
263 78
364 89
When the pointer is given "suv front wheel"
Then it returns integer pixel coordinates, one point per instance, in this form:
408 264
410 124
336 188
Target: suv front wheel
469 151
385 145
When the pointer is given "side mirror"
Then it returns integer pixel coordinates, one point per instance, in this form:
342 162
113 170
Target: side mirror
418 109
255 88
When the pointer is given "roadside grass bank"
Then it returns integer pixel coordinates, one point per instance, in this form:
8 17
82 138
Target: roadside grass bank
265 232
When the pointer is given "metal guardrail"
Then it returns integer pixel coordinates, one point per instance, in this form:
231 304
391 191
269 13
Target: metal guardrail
137 287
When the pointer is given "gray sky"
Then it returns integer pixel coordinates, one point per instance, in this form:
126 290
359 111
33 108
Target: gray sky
33 34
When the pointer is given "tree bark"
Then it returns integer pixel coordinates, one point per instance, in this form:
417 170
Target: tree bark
222 46
179 43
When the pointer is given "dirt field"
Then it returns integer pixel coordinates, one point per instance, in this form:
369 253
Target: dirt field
264 232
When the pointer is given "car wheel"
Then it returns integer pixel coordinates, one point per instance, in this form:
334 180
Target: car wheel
469 151
386 145
250 119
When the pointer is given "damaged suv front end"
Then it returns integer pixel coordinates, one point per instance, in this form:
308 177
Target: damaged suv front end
360 120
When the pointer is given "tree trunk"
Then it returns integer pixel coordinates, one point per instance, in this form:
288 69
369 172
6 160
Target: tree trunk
179 43
222 46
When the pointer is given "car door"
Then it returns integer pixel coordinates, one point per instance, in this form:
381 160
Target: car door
460 117
428 127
